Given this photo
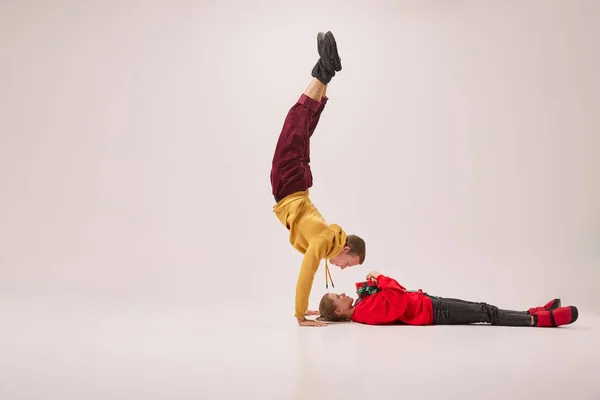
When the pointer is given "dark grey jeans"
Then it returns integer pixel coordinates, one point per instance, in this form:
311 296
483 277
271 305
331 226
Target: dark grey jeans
460 312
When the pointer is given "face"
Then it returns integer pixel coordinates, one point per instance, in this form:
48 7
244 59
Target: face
342 302
344 259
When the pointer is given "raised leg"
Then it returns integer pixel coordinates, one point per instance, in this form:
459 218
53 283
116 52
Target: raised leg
315 119
290 170
316 90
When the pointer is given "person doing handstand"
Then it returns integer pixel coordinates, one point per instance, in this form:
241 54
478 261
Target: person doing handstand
291 178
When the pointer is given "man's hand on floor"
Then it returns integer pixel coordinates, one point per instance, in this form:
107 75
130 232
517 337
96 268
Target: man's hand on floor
310 322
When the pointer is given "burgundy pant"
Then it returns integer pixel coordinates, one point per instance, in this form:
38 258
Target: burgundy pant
290 171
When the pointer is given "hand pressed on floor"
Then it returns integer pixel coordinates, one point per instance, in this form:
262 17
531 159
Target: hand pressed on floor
310 322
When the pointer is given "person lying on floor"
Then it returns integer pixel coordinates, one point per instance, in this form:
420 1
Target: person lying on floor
381 300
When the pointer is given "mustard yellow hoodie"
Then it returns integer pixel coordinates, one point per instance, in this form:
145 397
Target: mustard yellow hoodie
310 235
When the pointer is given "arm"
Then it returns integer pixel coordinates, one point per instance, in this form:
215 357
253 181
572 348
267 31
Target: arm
312 258
384 282
382 308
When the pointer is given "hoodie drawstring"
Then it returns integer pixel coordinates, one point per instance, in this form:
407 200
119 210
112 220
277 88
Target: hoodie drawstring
328 276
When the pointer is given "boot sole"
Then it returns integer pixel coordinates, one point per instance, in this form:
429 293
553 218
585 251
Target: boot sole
555 305
320 38
574 314
337 62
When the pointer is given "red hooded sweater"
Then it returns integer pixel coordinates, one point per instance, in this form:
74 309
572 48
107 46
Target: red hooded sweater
393 304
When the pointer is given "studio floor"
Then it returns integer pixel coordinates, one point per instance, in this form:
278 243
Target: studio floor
91 354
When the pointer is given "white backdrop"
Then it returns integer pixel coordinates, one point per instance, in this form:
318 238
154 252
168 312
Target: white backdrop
461 141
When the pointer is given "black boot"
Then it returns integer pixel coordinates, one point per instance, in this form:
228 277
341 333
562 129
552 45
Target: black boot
329 61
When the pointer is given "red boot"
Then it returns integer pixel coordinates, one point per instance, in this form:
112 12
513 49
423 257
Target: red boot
558 317
551 305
